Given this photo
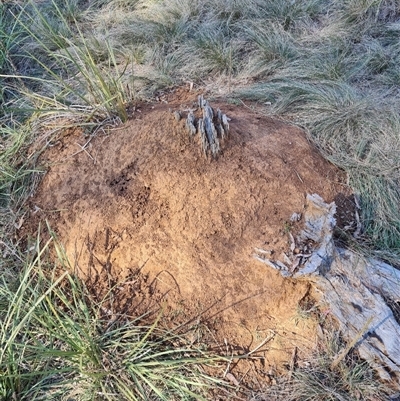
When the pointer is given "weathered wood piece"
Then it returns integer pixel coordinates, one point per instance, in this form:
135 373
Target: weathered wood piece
212 126
203 136
356 289
201 102
190 121
225 124
177 115
218 125
211 132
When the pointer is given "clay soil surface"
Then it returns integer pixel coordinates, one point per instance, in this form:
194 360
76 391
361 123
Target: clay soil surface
142 209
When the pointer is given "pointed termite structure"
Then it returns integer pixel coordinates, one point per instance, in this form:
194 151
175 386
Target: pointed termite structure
211 125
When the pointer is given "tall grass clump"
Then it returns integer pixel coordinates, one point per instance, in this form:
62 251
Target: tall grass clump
11 37
59 62
12 168
217 51
59 343
275 47
18 178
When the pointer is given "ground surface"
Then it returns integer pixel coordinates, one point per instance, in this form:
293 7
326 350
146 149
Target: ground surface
143 208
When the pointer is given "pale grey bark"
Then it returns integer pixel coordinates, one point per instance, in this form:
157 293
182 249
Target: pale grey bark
355 289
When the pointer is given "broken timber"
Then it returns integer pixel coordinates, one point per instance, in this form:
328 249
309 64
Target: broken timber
355 289
212 127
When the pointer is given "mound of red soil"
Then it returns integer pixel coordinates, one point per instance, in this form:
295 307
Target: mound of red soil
144 198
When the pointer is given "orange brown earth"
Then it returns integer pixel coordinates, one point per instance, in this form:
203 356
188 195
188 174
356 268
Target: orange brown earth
143 209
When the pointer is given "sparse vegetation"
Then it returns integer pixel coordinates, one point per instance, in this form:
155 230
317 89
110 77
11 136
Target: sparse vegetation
332 67
317 380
